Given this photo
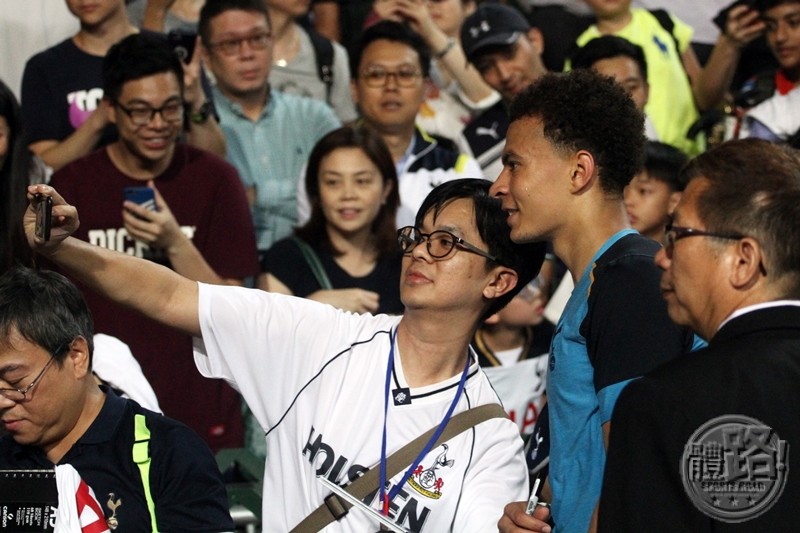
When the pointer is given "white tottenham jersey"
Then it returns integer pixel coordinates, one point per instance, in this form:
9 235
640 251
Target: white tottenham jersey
521 388
314 378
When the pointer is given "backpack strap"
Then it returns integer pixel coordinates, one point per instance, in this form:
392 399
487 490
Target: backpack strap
323 52
334 508
663 18
313 263
707 118
141 456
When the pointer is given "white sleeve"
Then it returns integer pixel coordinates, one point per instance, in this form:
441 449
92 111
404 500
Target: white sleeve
267 345
477 107
303 205
114 363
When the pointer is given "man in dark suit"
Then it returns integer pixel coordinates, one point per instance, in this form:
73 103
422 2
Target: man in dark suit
702 443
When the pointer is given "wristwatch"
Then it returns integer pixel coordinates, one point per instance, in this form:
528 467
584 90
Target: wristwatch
201 115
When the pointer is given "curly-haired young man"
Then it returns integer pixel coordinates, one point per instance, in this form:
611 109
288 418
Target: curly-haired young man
574 143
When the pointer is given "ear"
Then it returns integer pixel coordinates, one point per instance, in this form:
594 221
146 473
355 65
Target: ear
79 357
748 264
204 55
537 40
674 198
354 91
111 111
492 320
469 7
387 188
503 280
583 172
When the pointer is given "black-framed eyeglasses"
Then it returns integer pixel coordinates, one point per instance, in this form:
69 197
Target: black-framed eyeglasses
20 395
231 47
141 115
378 76
675 233
440 243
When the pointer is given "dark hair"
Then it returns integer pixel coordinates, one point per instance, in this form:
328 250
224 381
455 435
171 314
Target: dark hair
754 190
390 30
583 110
14 178
764 5
45 308
525 259
506 50
138 56
664 163
607 47
214 8
383 228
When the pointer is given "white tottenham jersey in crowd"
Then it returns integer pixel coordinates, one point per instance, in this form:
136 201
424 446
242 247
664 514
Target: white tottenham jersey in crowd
314 378
521 388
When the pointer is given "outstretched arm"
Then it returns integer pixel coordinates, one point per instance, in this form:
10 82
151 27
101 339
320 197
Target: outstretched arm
711 83
151 289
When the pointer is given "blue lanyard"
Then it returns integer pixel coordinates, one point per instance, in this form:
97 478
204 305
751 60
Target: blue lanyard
386 498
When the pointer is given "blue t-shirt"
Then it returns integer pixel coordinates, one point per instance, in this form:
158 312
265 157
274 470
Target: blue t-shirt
270 152
614 328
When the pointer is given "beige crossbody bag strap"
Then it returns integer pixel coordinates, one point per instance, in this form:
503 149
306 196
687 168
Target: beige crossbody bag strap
334 508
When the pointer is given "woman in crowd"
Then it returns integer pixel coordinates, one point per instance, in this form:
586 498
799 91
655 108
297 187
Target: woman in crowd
346 254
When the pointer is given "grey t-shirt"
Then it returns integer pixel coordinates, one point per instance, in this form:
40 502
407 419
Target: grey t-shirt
300 77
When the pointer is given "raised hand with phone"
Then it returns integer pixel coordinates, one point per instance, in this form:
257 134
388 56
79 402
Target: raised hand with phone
63 218
159 229
202 128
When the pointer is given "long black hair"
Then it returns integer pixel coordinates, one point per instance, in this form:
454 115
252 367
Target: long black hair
15 172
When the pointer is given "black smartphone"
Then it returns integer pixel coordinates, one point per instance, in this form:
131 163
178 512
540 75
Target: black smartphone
721 18
182 43
143 196
44 216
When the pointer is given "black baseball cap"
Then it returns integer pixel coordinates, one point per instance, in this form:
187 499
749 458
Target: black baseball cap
491 25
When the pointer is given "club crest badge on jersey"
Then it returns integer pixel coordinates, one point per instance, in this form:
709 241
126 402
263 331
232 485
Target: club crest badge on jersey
426 481
401 396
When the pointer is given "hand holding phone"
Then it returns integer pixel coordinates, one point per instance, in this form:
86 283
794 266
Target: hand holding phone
44 216
182 44
143 196
740 22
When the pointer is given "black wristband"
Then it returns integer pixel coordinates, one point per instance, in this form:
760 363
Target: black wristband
201 115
